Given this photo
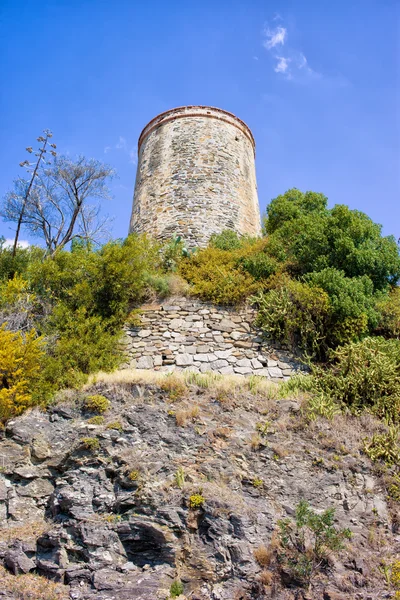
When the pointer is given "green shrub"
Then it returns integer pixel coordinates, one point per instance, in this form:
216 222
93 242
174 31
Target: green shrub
308 542
21 361
363 375
96 420
388 308
91 444
97 404
226 240
295 314
196 501
117 425
176 589
215 276
384 446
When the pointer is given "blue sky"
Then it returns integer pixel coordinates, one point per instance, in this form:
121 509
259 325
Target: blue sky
317 81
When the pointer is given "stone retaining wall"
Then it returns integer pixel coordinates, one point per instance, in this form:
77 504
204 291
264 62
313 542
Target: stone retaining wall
185 333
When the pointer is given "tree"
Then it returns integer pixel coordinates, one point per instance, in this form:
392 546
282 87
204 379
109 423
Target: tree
55 206
315 238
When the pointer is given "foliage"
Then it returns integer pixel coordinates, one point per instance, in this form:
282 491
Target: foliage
97 404
385 446
180 477
215 276
196 501
91 444
226 240
314 238
307 542
133 475
294 313
21 359
117 425
362 375
176 589
321 405
388 308
96 420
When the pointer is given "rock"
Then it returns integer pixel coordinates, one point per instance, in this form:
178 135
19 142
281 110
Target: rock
275 372
143 333
38 488
40 448
145 362
244 362
183 360
242 370
17 561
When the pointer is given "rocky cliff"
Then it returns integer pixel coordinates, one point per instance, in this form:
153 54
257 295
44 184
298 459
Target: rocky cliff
181 482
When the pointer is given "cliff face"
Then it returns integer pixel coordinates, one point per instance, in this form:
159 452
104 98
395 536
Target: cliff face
185 482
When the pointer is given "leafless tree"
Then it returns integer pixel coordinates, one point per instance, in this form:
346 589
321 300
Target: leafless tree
58 207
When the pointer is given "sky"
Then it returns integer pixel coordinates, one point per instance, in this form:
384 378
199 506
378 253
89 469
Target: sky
318 83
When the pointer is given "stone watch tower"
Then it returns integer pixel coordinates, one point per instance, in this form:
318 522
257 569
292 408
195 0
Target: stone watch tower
195 176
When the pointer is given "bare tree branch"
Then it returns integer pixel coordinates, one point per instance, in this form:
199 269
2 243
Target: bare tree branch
58 207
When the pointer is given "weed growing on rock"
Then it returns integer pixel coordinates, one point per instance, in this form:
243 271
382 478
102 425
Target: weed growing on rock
91 444
307 543
384 446
176 589
196 501
257 482
115 425
31 587
180 478
263 556
96 420
321 405
174 386
134 475
97 404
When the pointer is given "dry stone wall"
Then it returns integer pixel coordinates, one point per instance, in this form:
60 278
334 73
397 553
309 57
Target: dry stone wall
185 333
195 176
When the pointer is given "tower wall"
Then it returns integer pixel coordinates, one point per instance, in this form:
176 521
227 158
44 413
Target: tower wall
195 176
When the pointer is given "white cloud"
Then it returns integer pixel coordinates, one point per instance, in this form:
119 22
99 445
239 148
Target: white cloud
9 243
107 149
294 65
121 144
282 65
274 37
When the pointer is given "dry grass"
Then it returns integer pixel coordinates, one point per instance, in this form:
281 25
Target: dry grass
31 587
24 532
280 451
266 577
220 384
255 441
185 415
263 556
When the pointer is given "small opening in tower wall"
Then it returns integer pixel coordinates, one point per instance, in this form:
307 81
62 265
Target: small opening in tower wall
236 138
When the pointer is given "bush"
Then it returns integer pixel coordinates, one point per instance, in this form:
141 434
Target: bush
295 314
385 446
363 375
21 360
176 589
97 404
215 276
196 501
308 542
388 309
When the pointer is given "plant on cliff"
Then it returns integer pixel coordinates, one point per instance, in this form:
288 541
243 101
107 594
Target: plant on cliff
307 542
21 358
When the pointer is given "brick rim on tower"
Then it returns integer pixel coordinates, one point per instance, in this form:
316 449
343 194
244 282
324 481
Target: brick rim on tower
182 112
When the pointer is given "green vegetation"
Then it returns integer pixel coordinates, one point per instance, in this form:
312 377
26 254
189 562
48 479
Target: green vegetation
308 541
97 404
323 281
91 444
196 501
176 589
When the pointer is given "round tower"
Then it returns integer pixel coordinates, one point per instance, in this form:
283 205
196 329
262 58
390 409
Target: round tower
195 176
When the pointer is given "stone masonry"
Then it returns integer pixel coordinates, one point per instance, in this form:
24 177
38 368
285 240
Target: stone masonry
195 176
185 333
